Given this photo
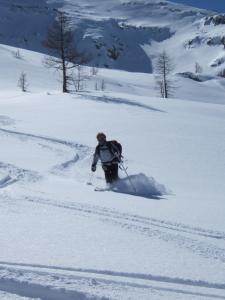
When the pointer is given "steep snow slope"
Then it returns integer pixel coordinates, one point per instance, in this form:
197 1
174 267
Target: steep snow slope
62 240
120 34
24 23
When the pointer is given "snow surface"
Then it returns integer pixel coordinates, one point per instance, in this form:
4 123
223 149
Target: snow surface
60 239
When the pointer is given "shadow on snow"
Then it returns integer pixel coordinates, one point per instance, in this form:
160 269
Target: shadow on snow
106 99
140 185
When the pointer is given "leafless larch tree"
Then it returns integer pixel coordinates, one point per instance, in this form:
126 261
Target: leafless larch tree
22 82
163 69
198 68
64 55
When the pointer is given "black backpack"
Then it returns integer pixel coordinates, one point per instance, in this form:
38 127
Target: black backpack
113 146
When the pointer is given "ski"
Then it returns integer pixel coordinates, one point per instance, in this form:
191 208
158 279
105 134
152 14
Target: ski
99 189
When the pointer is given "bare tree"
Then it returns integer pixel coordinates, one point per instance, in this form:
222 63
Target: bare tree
103 85
164 66
223 42
65 57
94 71
198 68
22 82
79 78
222 73
17 54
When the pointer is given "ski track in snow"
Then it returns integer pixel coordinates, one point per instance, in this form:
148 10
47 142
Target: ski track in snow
66 283
183 236
66 165
37 291
54 282
6 181
17 173
194 239
82 148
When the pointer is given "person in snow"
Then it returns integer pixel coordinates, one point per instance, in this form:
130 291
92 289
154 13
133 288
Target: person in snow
109 153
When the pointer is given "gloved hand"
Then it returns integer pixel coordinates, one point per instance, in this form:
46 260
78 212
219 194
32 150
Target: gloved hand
93 168
104 167
118 156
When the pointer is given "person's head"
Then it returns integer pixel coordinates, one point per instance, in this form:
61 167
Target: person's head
101 137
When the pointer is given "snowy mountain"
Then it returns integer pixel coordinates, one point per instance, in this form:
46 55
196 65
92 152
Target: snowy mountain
122 34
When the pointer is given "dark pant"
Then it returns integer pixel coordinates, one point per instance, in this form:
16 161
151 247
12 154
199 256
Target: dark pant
111 172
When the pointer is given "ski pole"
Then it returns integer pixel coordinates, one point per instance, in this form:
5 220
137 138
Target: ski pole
125 171
90 179
128 177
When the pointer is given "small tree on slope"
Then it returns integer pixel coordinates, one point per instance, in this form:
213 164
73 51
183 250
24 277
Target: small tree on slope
198 68
22 82
164 66
65 57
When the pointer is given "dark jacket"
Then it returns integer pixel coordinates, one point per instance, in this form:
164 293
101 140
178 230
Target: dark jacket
109 153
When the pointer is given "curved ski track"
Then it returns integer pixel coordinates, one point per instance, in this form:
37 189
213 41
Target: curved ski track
82 151
19 278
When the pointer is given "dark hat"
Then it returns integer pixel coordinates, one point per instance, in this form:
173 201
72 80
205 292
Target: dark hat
100 134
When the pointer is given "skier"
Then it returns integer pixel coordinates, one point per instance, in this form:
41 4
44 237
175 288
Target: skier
109 153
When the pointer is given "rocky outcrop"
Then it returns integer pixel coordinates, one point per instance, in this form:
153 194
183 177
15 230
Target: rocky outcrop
215 20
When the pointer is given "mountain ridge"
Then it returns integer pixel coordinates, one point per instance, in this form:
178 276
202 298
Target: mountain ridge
117 33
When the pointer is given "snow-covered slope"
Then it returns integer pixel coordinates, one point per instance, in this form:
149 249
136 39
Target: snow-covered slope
60 239
121 34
